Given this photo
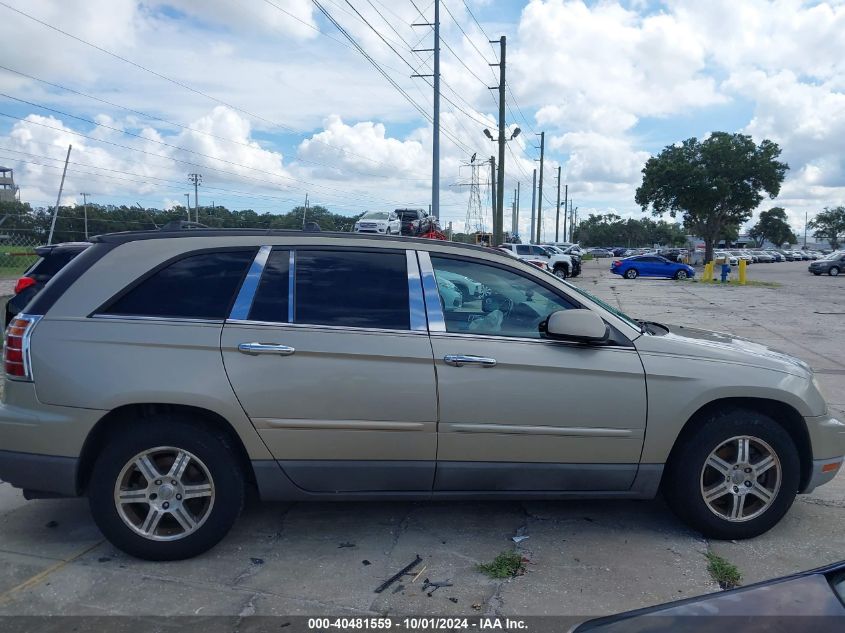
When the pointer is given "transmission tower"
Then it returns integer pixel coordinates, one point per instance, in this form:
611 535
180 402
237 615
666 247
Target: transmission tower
475 212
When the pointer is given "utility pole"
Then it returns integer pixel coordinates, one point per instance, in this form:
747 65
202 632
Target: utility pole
806 218
197 180
304 211
493 206
540 192
435 139
59 197
499 216
513 215
557 216
565 211
85 206
533 206
516 219
188 205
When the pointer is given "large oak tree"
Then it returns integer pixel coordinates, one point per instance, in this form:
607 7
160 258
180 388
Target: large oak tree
773 226
714 184
829 224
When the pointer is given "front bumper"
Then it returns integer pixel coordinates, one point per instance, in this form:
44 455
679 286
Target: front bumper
824 470
827 439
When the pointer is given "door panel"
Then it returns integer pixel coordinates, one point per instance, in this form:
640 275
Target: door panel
527 413
347 402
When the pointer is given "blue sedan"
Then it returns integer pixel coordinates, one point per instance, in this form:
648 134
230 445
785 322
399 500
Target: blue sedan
650 266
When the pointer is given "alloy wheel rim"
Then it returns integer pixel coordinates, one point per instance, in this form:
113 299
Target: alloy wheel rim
164 493
741 478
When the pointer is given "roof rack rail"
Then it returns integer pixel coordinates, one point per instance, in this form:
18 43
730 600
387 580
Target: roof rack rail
180 225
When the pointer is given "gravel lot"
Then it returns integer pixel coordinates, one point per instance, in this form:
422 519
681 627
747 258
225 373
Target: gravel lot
585 558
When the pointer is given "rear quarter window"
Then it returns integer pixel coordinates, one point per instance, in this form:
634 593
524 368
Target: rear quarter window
200 286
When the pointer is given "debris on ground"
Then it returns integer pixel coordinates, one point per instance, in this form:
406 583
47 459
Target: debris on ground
256 561
419 573
455 600
343 545
434 586
476 606
518 539
407 568
365 562
398 589
103 559
52 524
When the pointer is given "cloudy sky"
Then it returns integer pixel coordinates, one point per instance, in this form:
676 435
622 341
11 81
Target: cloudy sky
270 101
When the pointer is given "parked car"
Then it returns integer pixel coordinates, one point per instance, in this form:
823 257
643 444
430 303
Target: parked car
748 256
408 217
776 256
599 252
812 600
559 263
51 259
721 257
469 288
832 264
384 222
575 252
764 257
280 365
574 256
650 266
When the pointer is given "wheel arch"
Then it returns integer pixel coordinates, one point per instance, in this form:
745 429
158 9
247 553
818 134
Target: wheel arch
782 413
111 423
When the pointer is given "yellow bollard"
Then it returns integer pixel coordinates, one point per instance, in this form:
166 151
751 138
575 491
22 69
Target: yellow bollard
708 272
742 266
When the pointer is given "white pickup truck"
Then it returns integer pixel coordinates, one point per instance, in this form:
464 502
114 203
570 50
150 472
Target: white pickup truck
559 264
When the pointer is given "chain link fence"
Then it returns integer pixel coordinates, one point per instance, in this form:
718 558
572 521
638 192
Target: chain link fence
17 253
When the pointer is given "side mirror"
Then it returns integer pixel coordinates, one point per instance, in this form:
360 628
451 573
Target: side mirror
577 325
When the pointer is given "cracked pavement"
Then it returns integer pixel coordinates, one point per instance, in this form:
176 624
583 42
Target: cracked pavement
583 557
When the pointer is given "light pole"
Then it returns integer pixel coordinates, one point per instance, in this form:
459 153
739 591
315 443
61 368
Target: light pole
498 215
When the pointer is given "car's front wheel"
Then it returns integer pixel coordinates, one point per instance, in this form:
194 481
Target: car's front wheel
631 273
681 274
168 489
833 272
735 476
561 272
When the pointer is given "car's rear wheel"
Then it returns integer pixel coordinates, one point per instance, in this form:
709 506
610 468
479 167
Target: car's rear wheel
735 476
166 490
631 273
681 274
834 271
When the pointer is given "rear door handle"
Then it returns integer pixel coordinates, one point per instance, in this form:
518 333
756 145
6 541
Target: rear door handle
458 360
262 348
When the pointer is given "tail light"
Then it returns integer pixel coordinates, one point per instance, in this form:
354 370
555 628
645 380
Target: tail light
16 350
23 284
616 263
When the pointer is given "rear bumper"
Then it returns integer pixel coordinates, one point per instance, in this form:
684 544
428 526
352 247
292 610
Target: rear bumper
39 473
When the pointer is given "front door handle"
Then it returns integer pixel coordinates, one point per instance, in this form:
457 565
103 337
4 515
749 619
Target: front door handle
262 348
458 360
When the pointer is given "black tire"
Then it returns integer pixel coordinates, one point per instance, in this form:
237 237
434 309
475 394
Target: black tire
834 271
631 273
682 481
681 274
171 430
562 272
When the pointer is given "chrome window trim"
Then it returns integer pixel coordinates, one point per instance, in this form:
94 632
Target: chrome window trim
523 339
291 284
433 307
338 328
159 319
416 302
243 304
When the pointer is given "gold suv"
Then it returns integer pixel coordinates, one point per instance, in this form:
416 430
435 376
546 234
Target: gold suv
161 374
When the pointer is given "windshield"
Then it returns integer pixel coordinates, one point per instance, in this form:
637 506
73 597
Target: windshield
834 255
374 215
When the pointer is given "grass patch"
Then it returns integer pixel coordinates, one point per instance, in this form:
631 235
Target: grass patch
505 565
722 571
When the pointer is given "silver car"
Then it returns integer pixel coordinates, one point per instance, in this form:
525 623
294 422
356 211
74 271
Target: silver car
162 374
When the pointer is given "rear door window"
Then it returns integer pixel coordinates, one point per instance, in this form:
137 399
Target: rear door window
352 289
201 286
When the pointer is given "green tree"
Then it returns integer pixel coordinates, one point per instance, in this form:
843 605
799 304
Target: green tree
829 224
713 184
773 226
611 230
